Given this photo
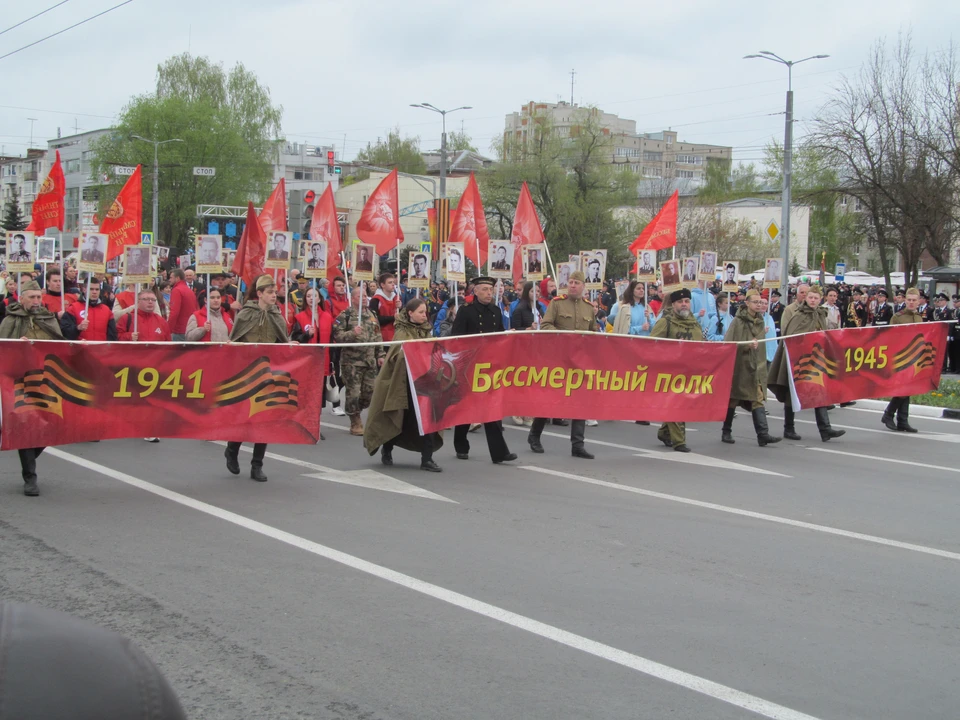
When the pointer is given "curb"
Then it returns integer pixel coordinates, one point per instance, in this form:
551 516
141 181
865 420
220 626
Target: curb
915 410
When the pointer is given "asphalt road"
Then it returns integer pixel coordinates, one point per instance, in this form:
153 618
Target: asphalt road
804 579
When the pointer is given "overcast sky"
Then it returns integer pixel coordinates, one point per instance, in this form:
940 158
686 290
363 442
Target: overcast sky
347 71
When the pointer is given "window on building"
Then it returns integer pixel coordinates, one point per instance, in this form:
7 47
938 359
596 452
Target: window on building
653 156
843 200
71 166
652 171
690 159
857 205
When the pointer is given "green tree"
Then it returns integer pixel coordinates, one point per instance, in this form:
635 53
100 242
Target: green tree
395 152
225 119
574 188
13 216
723 182
460 141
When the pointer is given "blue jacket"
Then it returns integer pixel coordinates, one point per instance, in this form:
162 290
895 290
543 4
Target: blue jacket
771 333
639 315
716 326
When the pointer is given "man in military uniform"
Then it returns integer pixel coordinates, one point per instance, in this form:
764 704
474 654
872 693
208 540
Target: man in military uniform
884 313
358 365
942 312
19 251
856 310
29 320
900 406
570 311
776 309
480 317
677 323
789 310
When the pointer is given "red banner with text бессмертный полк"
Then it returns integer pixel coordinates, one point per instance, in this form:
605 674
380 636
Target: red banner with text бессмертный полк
55 393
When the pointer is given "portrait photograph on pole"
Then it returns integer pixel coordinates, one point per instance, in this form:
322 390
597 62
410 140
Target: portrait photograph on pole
708 266
670 275
593 263
691 266
279 245
418 271
771 273
731 269
93 247
46 249
646 266
363 255
533 258
20 251
500 259
456 268
137 260
208 249
314 258
563 274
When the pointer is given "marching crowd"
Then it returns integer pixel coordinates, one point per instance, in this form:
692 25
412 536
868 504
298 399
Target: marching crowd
362 374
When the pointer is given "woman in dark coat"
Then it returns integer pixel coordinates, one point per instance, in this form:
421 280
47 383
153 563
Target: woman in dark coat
392 418
258 321
809 317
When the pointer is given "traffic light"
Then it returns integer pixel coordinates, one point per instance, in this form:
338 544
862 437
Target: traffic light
330 161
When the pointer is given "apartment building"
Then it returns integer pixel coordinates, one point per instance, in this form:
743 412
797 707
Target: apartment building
649 155
21 177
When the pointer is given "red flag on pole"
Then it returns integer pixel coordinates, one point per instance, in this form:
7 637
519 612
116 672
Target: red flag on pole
251 250
526 230
379 222
661 232
274 213
325 226
48 208
469 224
124 220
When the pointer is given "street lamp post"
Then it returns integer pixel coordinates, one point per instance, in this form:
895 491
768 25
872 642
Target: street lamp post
156 180
443 141
787 162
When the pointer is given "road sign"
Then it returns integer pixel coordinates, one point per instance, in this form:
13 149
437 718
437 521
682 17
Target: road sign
205 171
309 196
425 247
146 238
773 230
841 270
123 170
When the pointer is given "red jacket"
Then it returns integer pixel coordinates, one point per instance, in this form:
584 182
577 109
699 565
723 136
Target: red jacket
101 325
386 311
183 304
339 303
321 334
201 316
150 327
53 302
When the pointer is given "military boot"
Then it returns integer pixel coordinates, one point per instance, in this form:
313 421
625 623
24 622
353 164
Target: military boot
356 427
823 425
726 433
28 467
764 437
256 465
903 413
892 407
789 424
232 454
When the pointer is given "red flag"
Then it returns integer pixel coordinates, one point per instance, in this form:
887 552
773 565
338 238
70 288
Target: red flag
48 208
325 226
379 222
661 232
526 230
124 220
274 213
469 225
251 250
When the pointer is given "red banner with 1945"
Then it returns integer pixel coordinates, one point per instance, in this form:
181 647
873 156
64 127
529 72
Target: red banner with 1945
483 378
55 393
843 365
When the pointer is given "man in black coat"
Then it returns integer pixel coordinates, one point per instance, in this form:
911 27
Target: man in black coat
478 318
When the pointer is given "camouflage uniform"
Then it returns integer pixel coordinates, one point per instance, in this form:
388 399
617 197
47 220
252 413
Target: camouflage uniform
358 365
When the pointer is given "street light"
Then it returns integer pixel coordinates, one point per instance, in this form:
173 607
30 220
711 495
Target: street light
787 161
443 141
156 179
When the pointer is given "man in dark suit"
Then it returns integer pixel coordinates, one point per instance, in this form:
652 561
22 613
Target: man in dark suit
279 251
480 317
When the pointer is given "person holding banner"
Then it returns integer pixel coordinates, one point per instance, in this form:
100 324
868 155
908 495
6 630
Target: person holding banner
630 316
677 323
148 325
808 317
385 303
29 320
749 389
481 317
392 420
259 321
900 406
183 304
52 294
567 312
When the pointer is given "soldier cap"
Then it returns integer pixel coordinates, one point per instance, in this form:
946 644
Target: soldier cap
578 276
27 286
678 295
483 280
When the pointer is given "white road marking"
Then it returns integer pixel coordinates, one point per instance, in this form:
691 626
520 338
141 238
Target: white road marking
942 437
358 478
896 461
640 664
671 456
750 513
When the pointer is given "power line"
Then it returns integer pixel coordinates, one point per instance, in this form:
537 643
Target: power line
56 112
23 22
60 32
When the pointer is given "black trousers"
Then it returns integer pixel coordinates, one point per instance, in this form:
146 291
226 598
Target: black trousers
577 430
899 407
28 462
495 442
410 428
259 451
953 354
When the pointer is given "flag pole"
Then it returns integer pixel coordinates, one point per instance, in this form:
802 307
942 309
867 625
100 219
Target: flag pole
479 269
546 247
208 297
63 280
136 309
313 313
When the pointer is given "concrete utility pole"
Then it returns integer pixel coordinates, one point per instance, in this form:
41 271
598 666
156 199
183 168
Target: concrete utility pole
787 162
443 141
156 180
